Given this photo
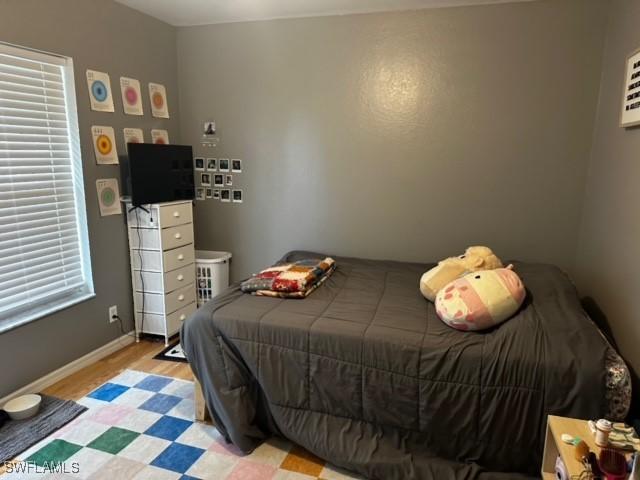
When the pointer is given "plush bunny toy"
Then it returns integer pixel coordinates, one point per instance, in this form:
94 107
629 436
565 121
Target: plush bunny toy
481 300
452 268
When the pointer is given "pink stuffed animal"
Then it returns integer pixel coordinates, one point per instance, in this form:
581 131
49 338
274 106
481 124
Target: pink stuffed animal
481 299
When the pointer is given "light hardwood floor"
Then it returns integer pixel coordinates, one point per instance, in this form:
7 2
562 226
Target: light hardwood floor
137 356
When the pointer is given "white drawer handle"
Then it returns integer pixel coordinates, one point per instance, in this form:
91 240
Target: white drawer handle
178 236
180 277
180 297
182 317
176 214
181 257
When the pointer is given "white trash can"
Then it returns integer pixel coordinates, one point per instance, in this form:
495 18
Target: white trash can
212 274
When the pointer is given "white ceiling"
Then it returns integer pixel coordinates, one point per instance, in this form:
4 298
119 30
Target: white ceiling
203 12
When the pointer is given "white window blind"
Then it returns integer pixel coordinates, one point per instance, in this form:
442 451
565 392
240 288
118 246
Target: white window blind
44 250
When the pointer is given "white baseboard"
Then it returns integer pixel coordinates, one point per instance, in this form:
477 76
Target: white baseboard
72 367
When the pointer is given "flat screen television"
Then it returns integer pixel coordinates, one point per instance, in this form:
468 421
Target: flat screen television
157 173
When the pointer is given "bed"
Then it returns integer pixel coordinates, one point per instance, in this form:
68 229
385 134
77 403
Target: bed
363 373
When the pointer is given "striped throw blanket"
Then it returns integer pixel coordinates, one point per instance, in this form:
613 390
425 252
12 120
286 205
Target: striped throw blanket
290 280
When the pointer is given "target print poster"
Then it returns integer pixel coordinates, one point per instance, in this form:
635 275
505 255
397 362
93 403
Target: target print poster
131 101
104 145
108 196
100 91
158 99
160 137
133 135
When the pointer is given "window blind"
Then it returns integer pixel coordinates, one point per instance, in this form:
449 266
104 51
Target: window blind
44 253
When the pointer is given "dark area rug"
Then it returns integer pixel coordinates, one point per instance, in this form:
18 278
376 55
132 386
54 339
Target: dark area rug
18 435
173 353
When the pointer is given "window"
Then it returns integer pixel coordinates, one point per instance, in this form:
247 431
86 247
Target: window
44 247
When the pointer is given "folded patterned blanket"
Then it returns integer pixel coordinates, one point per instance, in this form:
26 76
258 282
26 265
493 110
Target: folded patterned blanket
290 280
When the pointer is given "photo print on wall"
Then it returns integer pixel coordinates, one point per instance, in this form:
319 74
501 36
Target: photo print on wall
133 135
158 99
223 164
198 164
108 196
160 137
209 128
104 145
131 99
209 137
631 94
99 91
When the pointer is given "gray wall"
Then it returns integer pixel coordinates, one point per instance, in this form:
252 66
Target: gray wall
109 37
607 261
404 135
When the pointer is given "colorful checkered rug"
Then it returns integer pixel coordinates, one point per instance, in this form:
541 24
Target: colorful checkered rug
140 426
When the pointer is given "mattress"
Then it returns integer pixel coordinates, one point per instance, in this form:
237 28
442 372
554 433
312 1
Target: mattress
364 374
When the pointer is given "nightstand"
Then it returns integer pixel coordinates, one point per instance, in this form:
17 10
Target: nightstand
554 446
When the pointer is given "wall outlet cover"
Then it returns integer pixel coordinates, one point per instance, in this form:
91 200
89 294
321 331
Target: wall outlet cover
113 313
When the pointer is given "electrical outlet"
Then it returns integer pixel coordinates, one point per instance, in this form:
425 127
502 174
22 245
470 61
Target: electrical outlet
113 313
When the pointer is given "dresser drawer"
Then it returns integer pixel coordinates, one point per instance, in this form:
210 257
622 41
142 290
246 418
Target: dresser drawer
168 303
155 323
179 278
157 282
179 298
178 214
151 260
176 236
178 257
139 218
175 320
144 238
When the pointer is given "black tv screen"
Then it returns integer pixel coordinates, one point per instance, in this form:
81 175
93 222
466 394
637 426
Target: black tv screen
158 173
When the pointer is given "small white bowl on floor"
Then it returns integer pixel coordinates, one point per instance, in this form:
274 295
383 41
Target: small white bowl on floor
24 406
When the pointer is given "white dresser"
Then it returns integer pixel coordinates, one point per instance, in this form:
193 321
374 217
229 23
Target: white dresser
162 266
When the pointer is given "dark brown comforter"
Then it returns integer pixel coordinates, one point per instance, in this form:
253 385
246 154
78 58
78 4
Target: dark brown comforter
364 374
